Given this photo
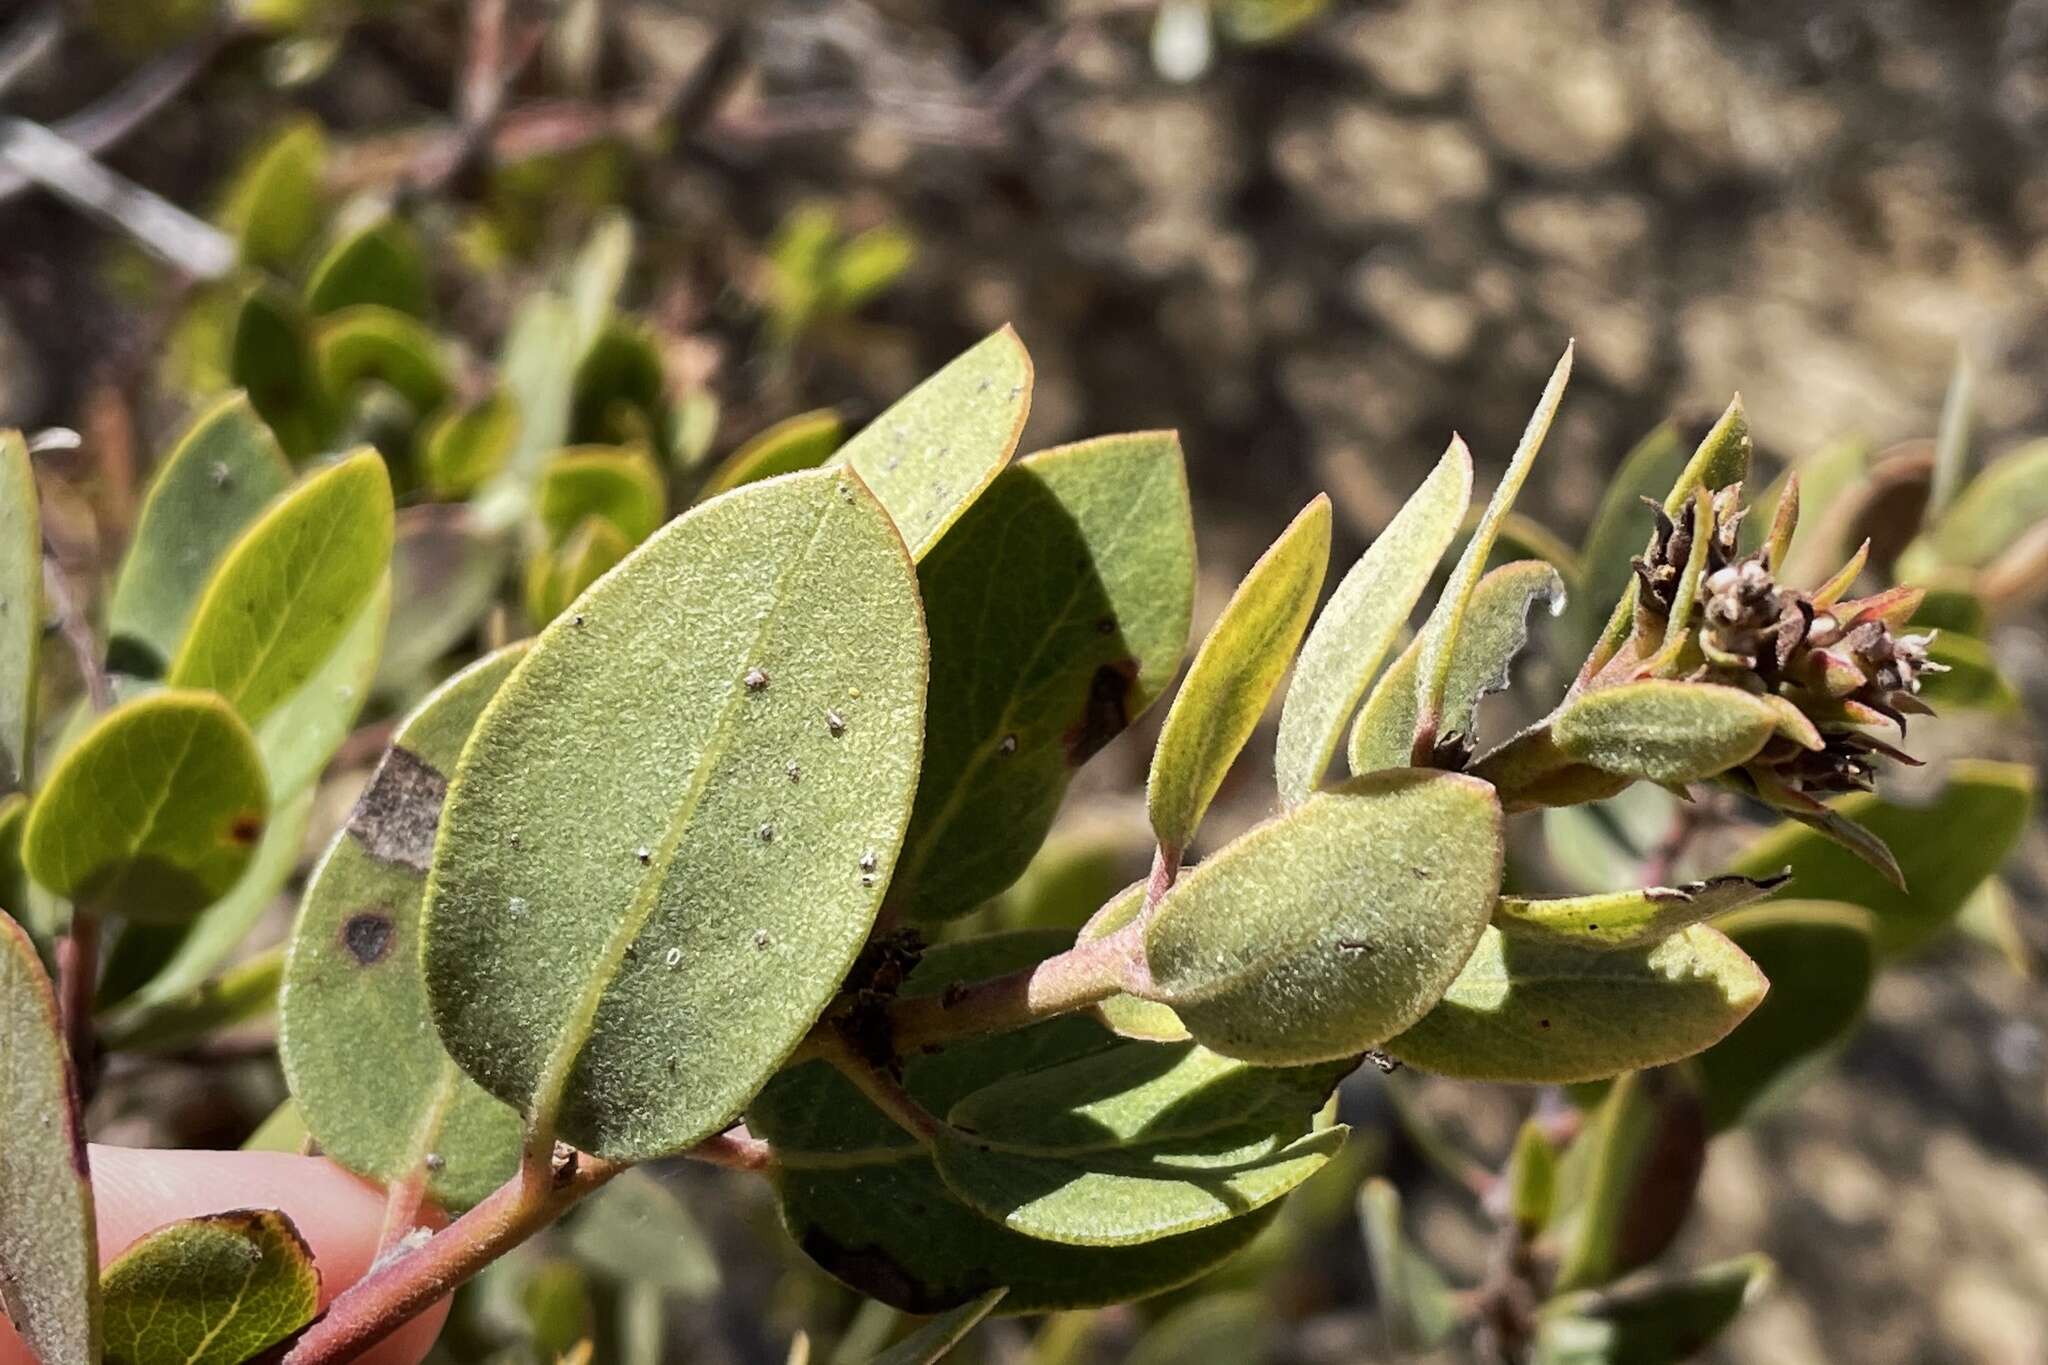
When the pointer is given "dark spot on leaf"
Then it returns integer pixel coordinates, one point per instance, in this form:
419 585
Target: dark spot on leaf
397 814
246 828
1592 928
1106 626
1106 713
1542 1023
877 1274
1421 873
367 936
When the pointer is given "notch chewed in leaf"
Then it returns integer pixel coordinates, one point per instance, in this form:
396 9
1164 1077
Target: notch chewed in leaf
214 1290
1631 919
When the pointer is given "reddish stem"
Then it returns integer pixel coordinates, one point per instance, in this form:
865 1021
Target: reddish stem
1075 979
77 982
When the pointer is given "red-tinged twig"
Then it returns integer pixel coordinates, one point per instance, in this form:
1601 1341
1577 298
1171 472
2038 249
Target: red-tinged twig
78 955
1081 976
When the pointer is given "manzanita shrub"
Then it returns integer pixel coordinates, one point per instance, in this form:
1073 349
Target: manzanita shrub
681 874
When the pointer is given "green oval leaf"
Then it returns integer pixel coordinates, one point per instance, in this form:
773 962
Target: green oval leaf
1662 1322
1331 928
863 1199
1820 961
620 386
1496 626
1664 731
801 442
1997 507
743 698
1972 682
621 486
1945 849
1126 1015
930 1342
274 204
368 342
154 812
49 1282
1360 623
1416 1307
465 447
214 1290
271 357
372 1080
213 484
1058 612
932 453
21 610
1529 1009
1439 635
1630 919
379 264
1234 674
1137 1143
291 588
1618 531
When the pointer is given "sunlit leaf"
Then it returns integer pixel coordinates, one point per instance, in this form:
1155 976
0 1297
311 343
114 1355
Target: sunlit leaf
1233 676
1534 1009
622 486
154 813
1046 644
1659 1323
208 489
1992 512
1532 1178
49 1285
930 455
801 442
301 733
380 263
1331 928
743 698
274 204
934 1338
868 263
1945 849
291 588
1416 1308
1629 919
21 610
1664 731
465 446
372 1080
1361 621
213 1290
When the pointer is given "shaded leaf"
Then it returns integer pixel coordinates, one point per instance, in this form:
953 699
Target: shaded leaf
213 1290
620 387
1057 614
465 446
1997 507
636 1231
638 978
1664 731
154 812
216 481
621 486
21 610
1945 849
372 1080
247 991
1629 919
933 1339
273 206
1416 1307
1604 844
1495 627
1439 635
1137 1143
1216 1328
271 358
1820 962
49 1283
801 442
1659 1323
1126 1015
1619 530
380 263
367 342
1973 681
1532 1179
291 588
1633 1174
1528 1009
1360 623
1233 676
930 455
283 1131
1331 928
556 578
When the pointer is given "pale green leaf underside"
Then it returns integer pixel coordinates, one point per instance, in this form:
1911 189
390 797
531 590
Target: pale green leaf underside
1058 610
21 609
1137 1143
1234 674
930 454
1496 626
743 699
1328 929
1630 919
1126 1015
1360 623
1526 1009
801 442
153 814
1664 731
291 588
48 1263
930 1342
215 481
1945 849
215 1290
371 1077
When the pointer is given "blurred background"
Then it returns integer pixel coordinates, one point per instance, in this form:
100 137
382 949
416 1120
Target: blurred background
1317 238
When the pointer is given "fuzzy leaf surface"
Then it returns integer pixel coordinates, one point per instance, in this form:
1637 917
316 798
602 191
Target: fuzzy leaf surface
1944 849
1058 610
1629 919
1664 731
1234 674
743 697
153 814
930 455
1360 623
214 1290
372 1080
291 588
1329 929
21 609
49 1281
1534 1010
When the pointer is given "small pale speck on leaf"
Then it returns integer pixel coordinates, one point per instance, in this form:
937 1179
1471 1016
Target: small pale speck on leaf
221 475
516 906
1008 746
766 833
436 1163
760 938
672 959
644 855
868 861
795 773
835 724
757 679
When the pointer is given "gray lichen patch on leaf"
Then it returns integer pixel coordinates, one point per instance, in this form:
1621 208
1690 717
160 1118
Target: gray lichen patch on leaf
396 816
